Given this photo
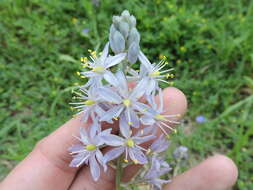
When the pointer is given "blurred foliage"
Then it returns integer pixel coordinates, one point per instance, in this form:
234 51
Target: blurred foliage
209 43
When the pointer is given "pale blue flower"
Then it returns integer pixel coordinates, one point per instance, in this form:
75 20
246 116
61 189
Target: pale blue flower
86 30
89 104
88 152
158 168
126 101
128 144
200 119
159 145
156 114
181 152
153 72
98 66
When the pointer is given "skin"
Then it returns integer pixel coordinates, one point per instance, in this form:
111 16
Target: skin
46 167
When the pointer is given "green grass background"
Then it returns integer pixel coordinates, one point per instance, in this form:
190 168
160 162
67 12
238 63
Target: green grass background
209 43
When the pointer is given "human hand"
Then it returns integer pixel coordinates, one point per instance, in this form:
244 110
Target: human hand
46 167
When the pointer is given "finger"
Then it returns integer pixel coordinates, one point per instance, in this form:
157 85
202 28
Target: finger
216 173
176 103
47 165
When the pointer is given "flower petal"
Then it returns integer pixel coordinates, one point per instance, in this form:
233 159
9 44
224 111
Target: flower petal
144 60
136 154
104 53
112 113
124 127
122 81
134 119
79 159
114 153
94 168
76 148
100 159
109 95
139 89
147 120
84 136
114 60
112 140
140 140
111 79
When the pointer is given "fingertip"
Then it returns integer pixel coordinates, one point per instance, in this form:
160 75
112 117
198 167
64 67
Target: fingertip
226 169
175 101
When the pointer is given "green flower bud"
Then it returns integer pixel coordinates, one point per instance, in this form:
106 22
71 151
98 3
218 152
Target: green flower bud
116 20
133 52
124 28
117 42
132 20
134 36
125 14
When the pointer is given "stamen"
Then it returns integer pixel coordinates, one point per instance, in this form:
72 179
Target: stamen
155 74
160 117
148 151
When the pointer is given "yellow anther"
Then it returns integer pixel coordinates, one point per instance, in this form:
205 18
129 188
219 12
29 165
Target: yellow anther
144 110
89 50
76 84
83 77
83 59
182 49
135 161
161 56
130 143
116 118
98 69
155 74
164 57
94 54
148 151
89 102
74 20
91 147
125 160
160 117
170 75
78 73
127 102
175 131
166 62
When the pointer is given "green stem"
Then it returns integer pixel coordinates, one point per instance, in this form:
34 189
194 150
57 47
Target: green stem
119 173
122 66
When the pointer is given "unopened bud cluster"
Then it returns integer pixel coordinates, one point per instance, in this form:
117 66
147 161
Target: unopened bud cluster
124 36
